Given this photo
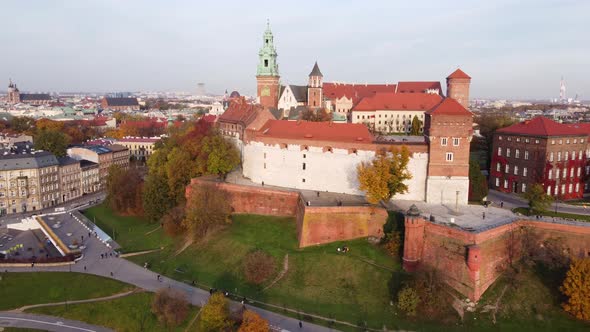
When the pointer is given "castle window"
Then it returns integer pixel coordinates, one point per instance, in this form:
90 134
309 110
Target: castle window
548 190
304 156
304 166
550 174
552 142
507 169
264 165
449 156
302 180
508 152
499 151
551 156
523 188
500 138
526 140
577 187
497 182
455 141
515 170
517 153
536 141
567 141
498 167
266 62
526 154
518 139
559 156
443 141
505 184
524 171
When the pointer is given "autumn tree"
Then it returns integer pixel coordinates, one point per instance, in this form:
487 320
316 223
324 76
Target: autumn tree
215 314
207 208
46 124
124 191
156 197
385 175
252 322
172 221
408 300
537 198
416 125
319 115
259 266
53 141
22 124
576 287
478 188
222 155
170 306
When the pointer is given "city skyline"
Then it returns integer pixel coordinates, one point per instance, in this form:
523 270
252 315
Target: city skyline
515 51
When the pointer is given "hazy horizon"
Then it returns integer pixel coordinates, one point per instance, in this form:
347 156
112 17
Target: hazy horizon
511 51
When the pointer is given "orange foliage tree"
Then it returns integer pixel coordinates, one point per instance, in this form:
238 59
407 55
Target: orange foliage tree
576 287
385 175
252 322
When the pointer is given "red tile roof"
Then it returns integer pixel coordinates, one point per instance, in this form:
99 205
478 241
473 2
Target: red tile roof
449 106
458 74
316 131
239 110
209 118
584 126
398 101
413 87
356 92
542 126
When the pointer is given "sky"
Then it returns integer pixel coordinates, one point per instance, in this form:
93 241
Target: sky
515 49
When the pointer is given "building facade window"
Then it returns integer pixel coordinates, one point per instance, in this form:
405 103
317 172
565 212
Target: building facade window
498 167
515 170
303 166
550 174
508 152
551 156
523 187
499 151
505 184
455 141
449 156
497 182
517 153
524 171
526 154
443 141
507 169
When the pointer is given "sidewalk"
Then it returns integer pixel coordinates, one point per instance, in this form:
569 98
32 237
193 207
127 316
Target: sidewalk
512 201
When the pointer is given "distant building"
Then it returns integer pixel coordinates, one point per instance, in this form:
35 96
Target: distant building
7 140
140 148
103 156
542 151
120 104
29 179
15 97
89 177
70 176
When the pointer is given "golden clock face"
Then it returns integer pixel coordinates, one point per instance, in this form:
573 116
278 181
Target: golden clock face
265 91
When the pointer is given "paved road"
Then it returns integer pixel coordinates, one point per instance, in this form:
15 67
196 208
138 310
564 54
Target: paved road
46 323
131 273
511 201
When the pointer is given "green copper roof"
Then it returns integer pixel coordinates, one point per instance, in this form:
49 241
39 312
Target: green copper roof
267 65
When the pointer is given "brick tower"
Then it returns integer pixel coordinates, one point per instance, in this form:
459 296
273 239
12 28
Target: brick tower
448 129
458 87
314 88
13 93
413 239
267 74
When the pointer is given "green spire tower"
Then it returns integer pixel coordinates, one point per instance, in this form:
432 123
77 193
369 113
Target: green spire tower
267 72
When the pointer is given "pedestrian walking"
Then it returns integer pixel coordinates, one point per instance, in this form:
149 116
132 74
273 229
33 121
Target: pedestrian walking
300 325
84 268
82 237
483 215
111 273
502 204
89 234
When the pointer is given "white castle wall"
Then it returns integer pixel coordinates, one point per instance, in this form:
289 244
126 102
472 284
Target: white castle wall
443 190
324 171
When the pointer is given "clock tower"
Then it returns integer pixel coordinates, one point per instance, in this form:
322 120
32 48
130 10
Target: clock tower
267 74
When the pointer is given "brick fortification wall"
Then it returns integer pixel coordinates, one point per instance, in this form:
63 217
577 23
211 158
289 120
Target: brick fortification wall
329 224
315 225
471 262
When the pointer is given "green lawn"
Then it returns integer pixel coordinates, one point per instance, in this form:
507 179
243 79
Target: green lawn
531 303
20 289
579 217
320 280
129 232
126 314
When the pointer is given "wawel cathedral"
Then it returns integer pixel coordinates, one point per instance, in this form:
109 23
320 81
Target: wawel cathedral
279 148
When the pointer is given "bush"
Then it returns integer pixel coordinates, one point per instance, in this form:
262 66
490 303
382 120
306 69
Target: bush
252 322
258 267
576 287
170 306
392 243
215 314
172 221
408 300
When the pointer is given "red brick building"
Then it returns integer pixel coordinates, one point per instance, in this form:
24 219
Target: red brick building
458 87
541 151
